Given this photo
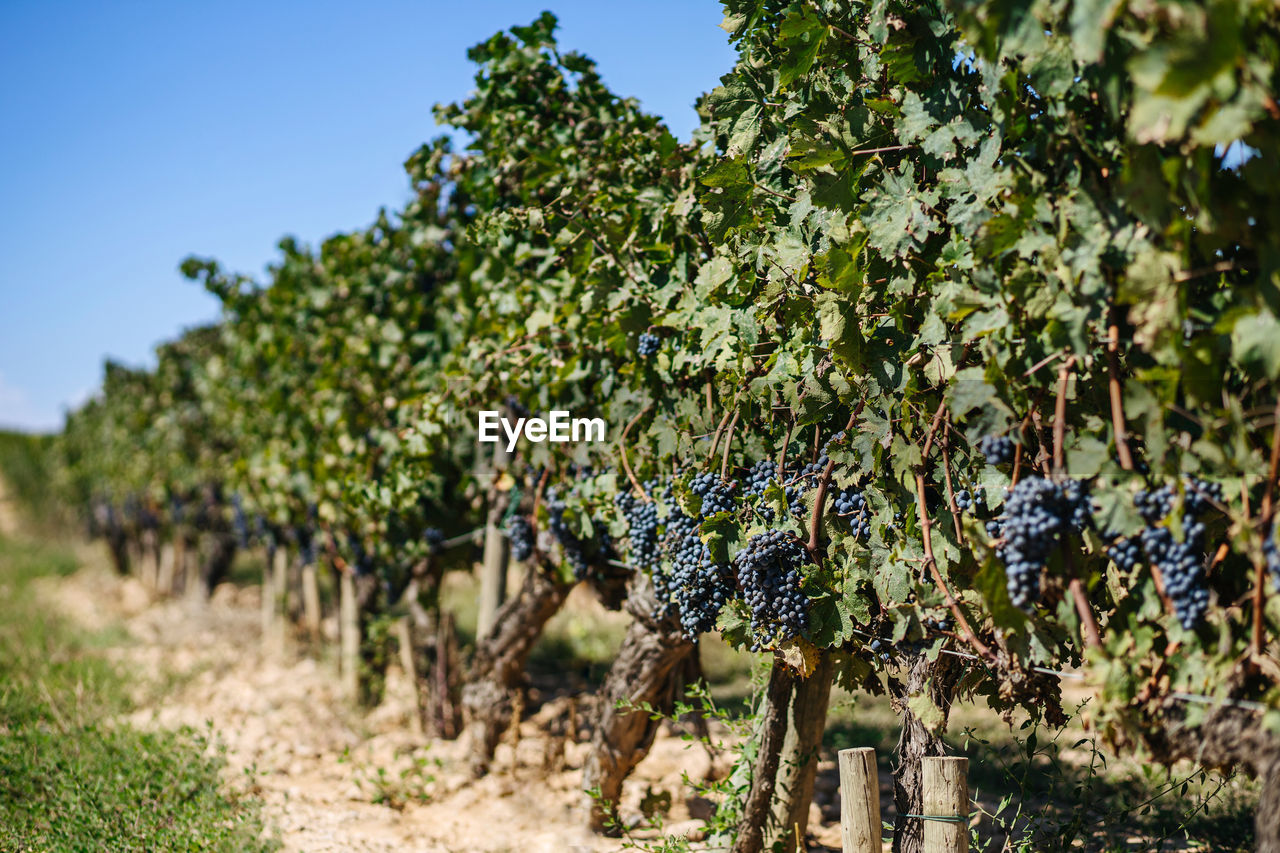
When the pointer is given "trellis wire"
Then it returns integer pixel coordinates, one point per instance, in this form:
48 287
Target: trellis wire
1246 704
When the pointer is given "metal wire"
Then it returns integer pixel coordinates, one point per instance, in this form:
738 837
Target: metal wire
1195 698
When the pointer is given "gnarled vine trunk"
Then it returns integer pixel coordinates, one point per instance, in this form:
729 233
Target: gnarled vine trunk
433 653
1227 737
498 665
646 672
798 763
118 544
791 722
936 679
217 552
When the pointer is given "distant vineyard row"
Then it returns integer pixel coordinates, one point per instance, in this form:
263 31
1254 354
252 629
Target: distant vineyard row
950 330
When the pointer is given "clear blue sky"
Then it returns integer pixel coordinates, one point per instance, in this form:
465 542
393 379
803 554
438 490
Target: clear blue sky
133 134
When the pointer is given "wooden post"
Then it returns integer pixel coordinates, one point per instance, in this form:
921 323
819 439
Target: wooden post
268 610
349 636
193 570
150 562
859 801
493 571
168 569
945 794
404 639
311 602
280 584
154 569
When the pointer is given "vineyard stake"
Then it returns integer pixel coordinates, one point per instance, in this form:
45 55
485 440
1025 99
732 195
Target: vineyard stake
168 569
268 598
153 569
349 635
493 571
279 597
404 640
311 602
859 801
945 804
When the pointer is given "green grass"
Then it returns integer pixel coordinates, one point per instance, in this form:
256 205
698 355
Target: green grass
71 777
26 469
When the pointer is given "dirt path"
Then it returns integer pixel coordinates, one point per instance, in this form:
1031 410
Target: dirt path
332 779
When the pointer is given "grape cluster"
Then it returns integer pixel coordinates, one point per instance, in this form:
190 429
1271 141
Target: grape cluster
1271 552
1125 553
964 500
852 504
262 530
520 532
434 537
699 585
769 577
306 545
1180 563
642 527
692 585
932 624
716 494
573 547
1038 516
759 477
517 409
998 449
648 345
361 562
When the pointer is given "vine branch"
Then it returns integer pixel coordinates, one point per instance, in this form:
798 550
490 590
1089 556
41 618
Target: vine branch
946 472
1117 398
728 443
926 529
815 522
626 465
782 455
1088 624
1060 414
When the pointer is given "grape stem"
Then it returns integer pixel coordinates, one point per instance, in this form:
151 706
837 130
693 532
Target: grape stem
626 466
1044 362
1117 398
537 496
728 441
925 524
1042 458
1060 414
1088 624
815 522
782 455
1017 451
1158 577
715 442
946 472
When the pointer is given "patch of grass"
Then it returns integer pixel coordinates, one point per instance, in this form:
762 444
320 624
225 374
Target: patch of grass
75 779
26 469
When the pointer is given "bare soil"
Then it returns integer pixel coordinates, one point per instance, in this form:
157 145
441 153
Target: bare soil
333 778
